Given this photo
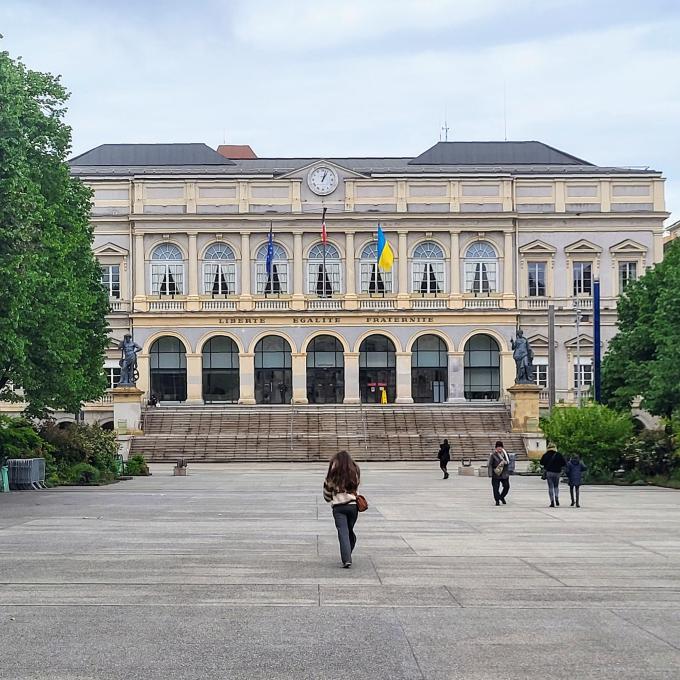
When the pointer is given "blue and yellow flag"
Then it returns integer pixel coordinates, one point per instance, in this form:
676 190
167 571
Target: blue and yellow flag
385 254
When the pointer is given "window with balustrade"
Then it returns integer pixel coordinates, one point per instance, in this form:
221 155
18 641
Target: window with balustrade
110 278
427 268
536 279
323 270
275 281
583 374
481 268
167 270
374 281
583 278
541 373
219 270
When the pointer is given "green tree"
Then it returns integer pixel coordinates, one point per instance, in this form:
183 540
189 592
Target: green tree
53 329
595 432
643 359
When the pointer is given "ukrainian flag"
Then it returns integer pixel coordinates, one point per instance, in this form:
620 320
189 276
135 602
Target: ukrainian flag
385 254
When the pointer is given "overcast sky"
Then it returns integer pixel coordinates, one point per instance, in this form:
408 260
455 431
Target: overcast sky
599 79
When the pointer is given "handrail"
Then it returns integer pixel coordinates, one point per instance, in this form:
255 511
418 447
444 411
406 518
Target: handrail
292 419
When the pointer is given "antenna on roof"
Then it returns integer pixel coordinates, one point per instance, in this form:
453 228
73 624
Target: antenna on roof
445 129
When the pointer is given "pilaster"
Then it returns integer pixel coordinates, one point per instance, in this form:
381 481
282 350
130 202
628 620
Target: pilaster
352 394
404 395
246 372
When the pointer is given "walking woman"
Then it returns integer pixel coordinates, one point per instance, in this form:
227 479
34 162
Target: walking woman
340 490
444 456
575 470
553 462
499 471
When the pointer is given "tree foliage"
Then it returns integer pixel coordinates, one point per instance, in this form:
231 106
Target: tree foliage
643 359
595 432
53 330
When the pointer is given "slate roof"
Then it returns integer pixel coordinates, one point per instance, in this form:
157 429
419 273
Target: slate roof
495 153
151 154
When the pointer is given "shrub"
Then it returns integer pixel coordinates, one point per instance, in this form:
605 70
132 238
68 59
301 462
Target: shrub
83 474
18 439
652 453
595 432
136 465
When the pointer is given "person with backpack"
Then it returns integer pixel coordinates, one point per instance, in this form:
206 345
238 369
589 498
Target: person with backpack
553 463
340 489
499 471
575 470
444 456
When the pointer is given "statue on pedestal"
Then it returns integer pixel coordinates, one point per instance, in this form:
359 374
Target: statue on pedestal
128 362
524 359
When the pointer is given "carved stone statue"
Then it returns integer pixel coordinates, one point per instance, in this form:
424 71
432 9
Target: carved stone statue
128 362
524 359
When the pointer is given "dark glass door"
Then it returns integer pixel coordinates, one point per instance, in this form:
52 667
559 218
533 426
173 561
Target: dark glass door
325 385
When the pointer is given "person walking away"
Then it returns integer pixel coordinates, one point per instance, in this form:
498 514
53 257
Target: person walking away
444 456
499 471
340 490
575 470
553 462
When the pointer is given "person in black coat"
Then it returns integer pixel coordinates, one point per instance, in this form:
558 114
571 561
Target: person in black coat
575 470
444 456
499 471
553 463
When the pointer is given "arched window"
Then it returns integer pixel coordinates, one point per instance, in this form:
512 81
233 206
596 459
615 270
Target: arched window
219 270
377 369
168 368
276 280
220 370
481 268
373 279
429 365
321 283
428 268
167 270
481 368
325 370
273 372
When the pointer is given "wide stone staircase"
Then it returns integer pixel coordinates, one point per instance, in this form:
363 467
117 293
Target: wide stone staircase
314 433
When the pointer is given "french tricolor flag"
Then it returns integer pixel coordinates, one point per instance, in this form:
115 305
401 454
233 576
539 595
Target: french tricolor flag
324 235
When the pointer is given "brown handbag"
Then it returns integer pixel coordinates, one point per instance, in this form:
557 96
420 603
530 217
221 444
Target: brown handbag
362 503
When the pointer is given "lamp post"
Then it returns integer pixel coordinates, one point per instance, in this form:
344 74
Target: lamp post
577 306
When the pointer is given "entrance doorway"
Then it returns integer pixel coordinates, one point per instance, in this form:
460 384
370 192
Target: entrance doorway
429 370
168 365
482 368
377 369
273 373
325 370
220 370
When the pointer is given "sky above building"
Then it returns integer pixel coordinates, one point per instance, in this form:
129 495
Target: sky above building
307 78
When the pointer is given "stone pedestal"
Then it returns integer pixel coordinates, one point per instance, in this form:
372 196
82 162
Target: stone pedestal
127 410
524 402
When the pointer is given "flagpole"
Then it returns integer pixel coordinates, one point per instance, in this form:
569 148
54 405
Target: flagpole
323 243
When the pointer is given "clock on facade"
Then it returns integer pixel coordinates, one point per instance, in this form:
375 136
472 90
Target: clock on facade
322 180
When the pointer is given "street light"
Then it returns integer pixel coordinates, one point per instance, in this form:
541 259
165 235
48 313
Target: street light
579 311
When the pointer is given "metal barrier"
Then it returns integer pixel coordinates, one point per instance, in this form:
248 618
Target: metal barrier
26 473
4 478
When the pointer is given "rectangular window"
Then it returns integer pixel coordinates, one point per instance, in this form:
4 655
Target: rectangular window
374 280
541 375
428 276
111 279
480 277
219 279
320 284
583 375
627 273
536 279
583 278
167 279
277 283
112 376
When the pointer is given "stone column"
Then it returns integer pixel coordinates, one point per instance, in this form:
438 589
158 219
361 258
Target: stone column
246 374
193 304
508 270
456 386
139 292
350 273
455 298
298 300
404 378
299 366
403 299
246 299
194 378
352 394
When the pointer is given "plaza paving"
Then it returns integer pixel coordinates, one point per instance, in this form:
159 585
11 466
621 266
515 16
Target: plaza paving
233 572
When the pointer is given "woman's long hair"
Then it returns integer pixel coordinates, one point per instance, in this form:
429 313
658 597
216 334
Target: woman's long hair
343 472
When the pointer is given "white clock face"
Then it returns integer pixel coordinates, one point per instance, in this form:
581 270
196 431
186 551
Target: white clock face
322 180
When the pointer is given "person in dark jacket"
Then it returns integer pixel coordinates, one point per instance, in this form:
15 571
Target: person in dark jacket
499 471
444 456
575 470
553 462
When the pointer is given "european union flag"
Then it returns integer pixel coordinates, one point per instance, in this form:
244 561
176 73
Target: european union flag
270 253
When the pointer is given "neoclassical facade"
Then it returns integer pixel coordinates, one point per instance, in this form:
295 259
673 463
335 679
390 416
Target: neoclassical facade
485 237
